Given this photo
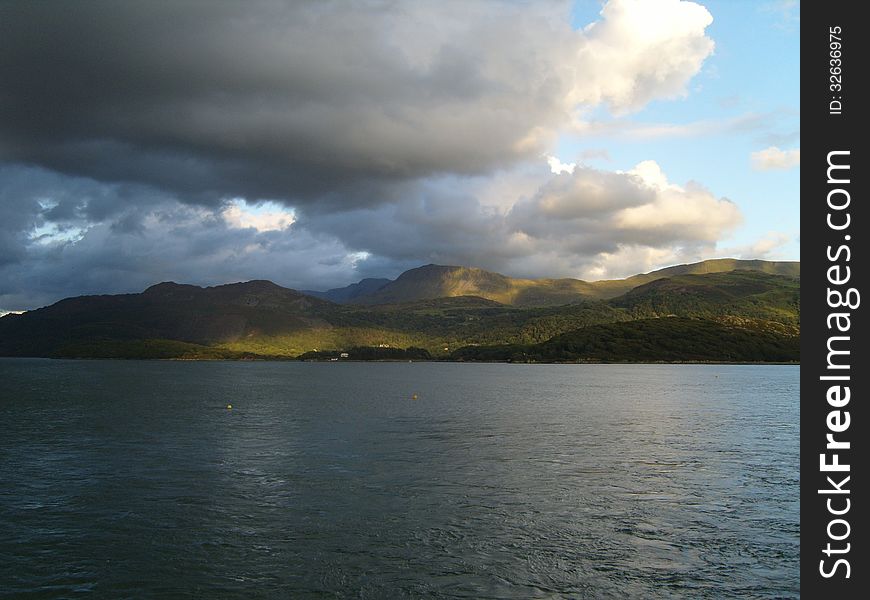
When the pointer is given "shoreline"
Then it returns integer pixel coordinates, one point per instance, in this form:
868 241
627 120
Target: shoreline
467 362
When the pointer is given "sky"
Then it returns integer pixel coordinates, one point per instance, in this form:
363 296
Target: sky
317 143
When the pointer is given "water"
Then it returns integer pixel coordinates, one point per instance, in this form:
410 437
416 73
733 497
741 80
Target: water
133 479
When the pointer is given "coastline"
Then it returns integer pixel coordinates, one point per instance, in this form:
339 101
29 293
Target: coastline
467 362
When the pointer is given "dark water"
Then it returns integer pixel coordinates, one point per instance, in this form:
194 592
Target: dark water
132 479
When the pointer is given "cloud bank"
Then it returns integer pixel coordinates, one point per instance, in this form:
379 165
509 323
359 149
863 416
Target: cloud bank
315 142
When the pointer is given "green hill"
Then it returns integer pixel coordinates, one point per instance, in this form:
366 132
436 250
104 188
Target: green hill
723 265
738 293
616 287
670 339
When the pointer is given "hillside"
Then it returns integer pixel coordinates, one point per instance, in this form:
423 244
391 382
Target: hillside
739 293
671 339
721 265
260 319
437 281
166 311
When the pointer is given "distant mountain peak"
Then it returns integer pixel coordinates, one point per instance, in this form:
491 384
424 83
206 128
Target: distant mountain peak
255 285
252 285
168 287
349 293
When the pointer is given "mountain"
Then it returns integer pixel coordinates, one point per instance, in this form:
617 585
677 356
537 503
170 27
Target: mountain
351 292
166 311
260 319
436 281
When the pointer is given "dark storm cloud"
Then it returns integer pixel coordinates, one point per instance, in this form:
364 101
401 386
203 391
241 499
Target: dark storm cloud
297 100
170 241
128 128
33 197
273 99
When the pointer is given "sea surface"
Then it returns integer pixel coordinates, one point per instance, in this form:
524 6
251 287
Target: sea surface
132 479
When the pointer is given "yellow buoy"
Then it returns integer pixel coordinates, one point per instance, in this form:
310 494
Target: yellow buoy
229 406
414 397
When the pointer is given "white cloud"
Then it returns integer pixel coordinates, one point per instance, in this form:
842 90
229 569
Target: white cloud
557 166
652 175
641 50
265 216
690 212
629 260
593 212
773 158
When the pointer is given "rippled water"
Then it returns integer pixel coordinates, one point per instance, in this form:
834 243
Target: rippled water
133 479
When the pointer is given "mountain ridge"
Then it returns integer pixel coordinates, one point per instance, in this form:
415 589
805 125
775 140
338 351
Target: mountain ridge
349 292
439 281
260 319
